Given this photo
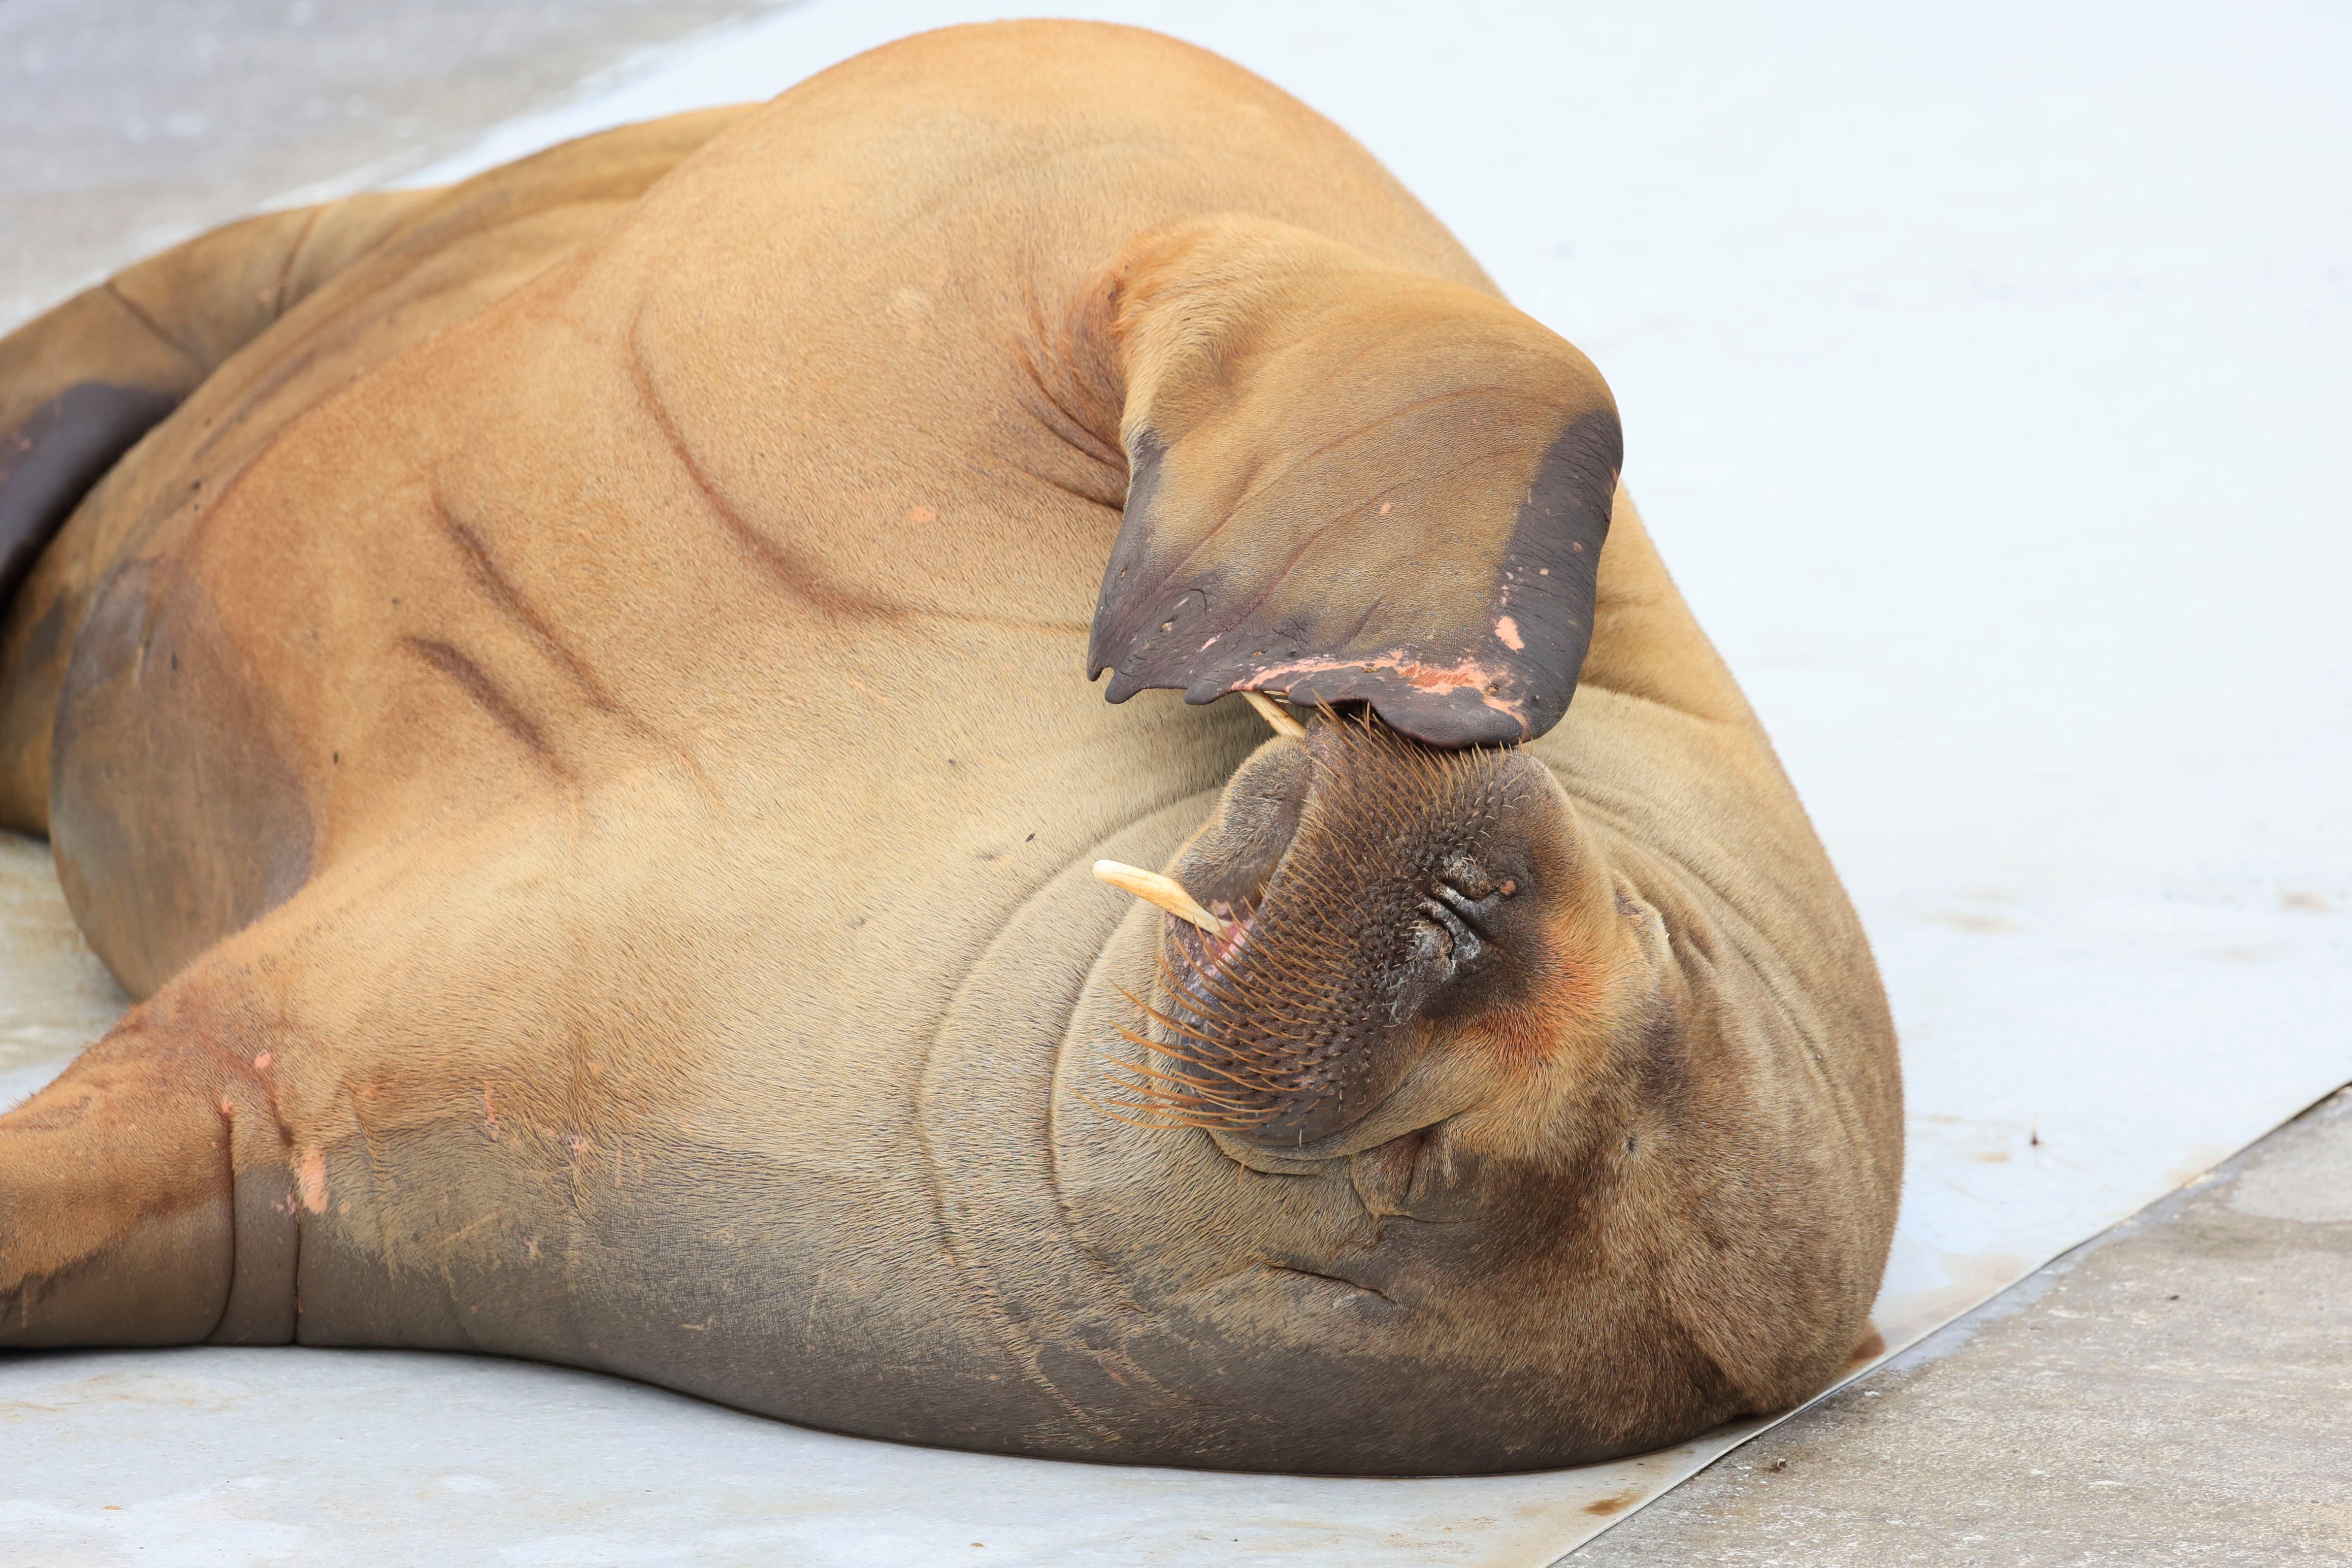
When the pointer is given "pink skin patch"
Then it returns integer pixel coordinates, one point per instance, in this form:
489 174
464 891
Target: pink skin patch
922 514
1508 631
1436 679
310 1175
261 1062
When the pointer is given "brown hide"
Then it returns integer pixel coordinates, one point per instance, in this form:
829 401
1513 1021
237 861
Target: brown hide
582 724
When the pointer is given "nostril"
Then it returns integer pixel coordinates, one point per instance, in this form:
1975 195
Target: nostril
1462 946
1466 908
1444 946
1464 875
1431 942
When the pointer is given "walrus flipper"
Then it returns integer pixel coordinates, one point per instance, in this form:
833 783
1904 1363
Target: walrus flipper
51 459
146 1196
79 385
1349 481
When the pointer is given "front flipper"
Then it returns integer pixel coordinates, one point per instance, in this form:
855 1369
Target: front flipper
1349 481
148 1196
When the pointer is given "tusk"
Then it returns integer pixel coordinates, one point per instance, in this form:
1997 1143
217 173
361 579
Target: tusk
1154 888
1272 712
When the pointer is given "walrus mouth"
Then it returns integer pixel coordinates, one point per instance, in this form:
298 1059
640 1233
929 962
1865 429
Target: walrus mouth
1359 888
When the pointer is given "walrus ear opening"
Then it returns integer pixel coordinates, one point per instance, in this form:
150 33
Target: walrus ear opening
1351 483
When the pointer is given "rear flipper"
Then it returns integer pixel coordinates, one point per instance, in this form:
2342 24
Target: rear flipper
145 1197
80 386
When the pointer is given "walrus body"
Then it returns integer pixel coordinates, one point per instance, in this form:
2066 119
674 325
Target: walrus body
576 723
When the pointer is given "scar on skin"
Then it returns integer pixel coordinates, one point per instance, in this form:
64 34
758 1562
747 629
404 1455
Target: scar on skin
261 1062
923 514
311 1175
1507 629
1436 679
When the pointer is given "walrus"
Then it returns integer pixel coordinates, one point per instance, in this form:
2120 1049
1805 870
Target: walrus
567 697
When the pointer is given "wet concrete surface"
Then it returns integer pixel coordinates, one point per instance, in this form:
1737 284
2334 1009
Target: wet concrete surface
126 125
2179 1389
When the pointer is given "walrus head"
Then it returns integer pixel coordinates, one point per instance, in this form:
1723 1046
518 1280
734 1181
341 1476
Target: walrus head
1396 934
1429 1141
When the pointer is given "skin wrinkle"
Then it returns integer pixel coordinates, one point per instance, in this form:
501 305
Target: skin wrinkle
1336 1280
1114 495
170 504
169 339
518 610
1056 485
781 568
285 1134
1108 1279
1743 936
1066 424
476 553
997 478
502 593
798 582
284 372
1363 620
298 354
1021 1348
293 257
1018 1347
228 1172
381 1179
470 679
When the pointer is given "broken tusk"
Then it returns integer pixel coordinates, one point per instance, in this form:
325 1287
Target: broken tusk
1154 888
1272 712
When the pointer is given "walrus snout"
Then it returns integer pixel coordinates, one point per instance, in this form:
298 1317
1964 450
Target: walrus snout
1387 903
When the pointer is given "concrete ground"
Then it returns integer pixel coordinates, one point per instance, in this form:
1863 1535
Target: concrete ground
128 124
2178 1391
